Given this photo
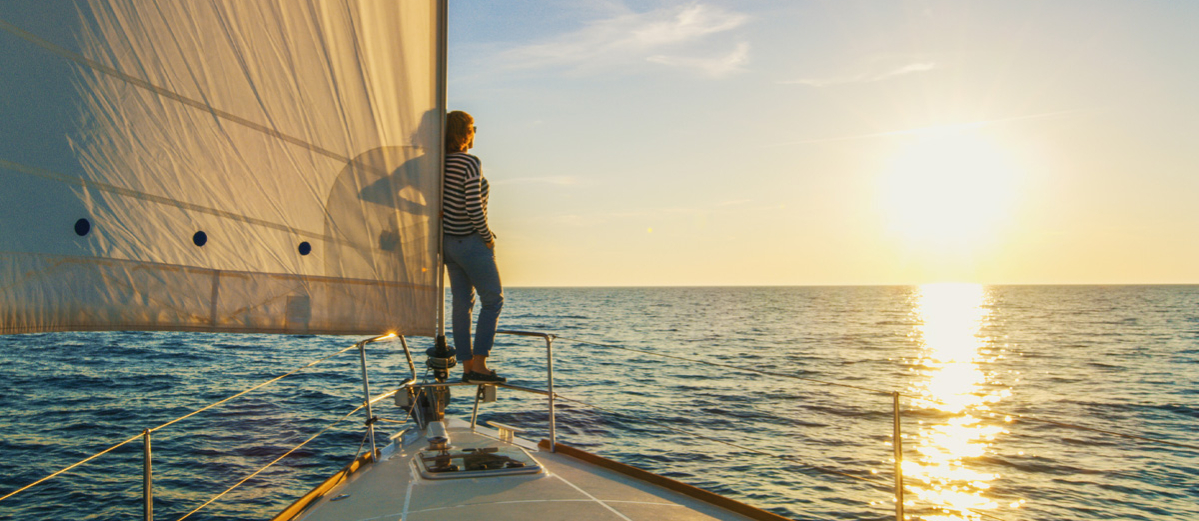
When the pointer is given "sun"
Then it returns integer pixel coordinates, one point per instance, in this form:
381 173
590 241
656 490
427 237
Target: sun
948 191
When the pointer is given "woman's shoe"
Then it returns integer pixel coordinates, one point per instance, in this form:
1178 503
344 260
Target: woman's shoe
484 378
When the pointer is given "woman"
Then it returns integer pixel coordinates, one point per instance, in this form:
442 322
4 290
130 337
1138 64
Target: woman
469 250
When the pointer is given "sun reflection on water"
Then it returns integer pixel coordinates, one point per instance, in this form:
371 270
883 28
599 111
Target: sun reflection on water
952 386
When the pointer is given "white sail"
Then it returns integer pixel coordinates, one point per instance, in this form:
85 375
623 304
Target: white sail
256 166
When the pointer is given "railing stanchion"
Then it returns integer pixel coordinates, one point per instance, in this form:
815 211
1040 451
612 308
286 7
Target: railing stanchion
147 470
898 444
366 388
549 361
474 414
549 375
147 479
408 354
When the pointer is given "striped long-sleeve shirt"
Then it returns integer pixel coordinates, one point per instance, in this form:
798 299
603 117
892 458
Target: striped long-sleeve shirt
465 197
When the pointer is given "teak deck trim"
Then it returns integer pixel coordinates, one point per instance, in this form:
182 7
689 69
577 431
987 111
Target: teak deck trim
300 505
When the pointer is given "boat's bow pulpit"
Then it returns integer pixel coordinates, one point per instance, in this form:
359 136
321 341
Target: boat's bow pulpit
446 468
426 403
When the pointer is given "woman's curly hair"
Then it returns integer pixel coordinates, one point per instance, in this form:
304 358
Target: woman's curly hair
459 127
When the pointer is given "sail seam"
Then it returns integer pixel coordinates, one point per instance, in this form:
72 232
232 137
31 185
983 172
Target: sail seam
216 291
281 276
87 183
74 328
86 62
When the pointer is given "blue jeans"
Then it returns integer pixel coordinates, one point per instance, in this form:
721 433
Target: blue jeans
471 265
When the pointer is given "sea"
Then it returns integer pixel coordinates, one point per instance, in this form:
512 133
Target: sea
1014 402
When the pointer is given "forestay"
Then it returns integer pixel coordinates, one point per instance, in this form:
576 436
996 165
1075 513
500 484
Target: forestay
264 166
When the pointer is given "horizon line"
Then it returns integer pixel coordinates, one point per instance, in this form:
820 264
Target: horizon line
1012 284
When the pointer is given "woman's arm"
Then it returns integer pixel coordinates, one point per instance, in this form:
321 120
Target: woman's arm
475 206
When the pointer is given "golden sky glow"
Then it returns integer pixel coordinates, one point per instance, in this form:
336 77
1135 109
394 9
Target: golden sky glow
847 142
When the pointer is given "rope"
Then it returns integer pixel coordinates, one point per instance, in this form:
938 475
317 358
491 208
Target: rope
760 452
747 449
714 364
89 458
878 391
276 460
193 413
365 435
356 453
256 387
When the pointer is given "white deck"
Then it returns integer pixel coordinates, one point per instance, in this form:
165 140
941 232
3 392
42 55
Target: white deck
566 489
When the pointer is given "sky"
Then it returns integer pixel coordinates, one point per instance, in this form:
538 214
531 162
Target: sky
838 142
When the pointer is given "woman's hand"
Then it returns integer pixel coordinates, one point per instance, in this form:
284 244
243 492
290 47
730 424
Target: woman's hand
491 244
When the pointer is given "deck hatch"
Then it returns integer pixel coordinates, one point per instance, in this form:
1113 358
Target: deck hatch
476 462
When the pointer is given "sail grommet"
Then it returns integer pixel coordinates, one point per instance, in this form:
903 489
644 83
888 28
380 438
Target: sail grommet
83 227
305 248
200 238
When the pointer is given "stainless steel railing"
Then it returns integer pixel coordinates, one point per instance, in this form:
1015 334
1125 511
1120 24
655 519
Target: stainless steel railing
549 376
549 392
145 434
368 402
897 485
411 383
366 386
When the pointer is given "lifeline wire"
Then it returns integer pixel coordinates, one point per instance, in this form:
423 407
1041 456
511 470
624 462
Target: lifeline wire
910 397
365 435
776 456
193 413
768 373
268 465
89 458
747 449
259 386
356 453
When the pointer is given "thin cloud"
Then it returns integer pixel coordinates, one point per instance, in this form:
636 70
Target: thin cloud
715 67
904 70
670 36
